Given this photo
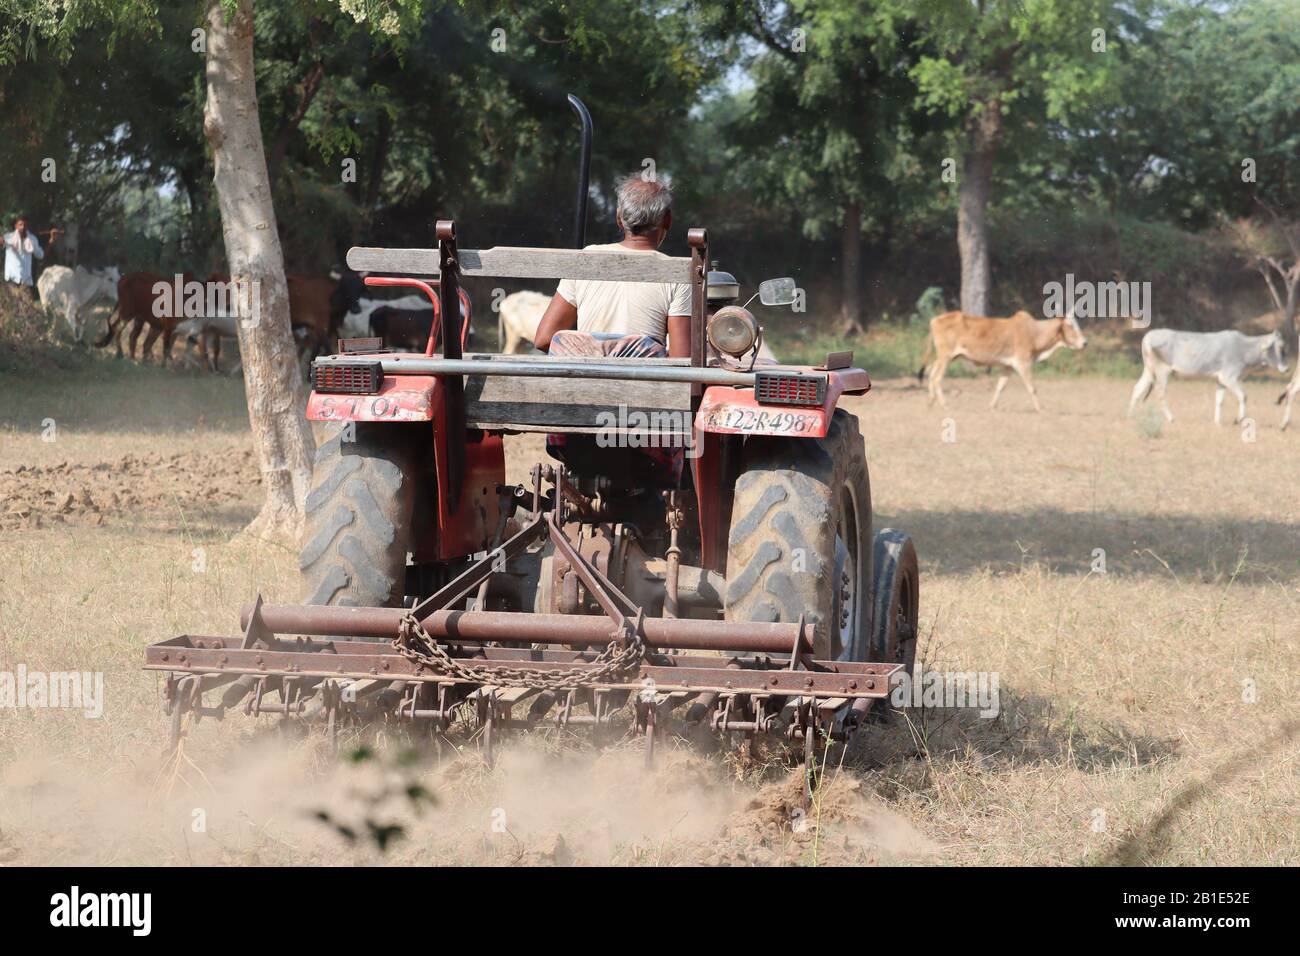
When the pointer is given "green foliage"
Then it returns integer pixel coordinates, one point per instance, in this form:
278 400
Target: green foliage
779 121
930 304
28 26
398 788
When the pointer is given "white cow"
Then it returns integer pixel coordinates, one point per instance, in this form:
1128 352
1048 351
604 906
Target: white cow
209 331
517 319
1224 355
521 312
70 292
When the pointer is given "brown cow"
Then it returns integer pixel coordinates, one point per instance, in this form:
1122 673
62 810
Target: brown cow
1015 343
135 304
309 312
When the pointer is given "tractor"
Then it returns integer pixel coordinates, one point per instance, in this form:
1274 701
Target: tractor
744 593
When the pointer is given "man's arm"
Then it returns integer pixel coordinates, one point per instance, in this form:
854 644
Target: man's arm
679 336
12 241
560 315
37 251
679 321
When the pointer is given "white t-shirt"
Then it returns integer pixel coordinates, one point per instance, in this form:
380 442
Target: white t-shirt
626 307
18 256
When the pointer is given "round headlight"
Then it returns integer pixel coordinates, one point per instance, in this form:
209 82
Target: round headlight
733 330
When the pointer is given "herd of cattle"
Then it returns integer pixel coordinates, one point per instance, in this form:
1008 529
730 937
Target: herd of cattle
323 310
1018 343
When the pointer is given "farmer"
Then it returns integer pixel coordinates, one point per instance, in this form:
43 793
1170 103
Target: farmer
624 319
591 317
20 246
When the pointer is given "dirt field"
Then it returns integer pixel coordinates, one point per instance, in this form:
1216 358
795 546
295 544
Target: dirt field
1148 711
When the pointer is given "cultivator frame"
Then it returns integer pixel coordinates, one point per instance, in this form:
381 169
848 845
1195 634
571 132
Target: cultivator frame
432 663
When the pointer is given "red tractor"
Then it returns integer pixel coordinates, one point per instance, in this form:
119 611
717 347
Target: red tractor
745 593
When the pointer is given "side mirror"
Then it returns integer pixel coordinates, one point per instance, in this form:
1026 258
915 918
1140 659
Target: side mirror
776 292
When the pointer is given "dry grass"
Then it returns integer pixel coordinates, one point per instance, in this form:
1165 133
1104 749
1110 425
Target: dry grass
1123 735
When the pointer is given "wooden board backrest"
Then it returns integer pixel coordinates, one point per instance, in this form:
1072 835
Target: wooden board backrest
517 262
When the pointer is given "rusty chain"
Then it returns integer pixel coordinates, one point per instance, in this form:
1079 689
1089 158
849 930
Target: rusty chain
415 644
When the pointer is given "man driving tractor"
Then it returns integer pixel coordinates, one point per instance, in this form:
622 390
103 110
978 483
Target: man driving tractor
624 319
592 317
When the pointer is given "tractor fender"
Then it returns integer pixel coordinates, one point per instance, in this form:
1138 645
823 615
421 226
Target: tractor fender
401 398
735 411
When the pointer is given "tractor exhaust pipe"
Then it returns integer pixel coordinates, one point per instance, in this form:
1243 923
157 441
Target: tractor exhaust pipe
584 173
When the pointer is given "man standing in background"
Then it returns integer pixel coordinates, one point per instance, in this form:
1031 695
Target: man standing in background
20 246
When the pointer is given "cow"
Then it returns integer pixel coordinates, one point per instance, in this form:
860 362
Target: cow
135 305
518 316
351 309
1224 355
1288 396
310 310
345 303
1015 343
356 323
70 292
210 331
409 328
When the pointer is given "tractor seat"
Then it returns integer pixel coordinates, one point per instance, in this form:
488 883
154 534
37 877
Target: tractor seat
628 461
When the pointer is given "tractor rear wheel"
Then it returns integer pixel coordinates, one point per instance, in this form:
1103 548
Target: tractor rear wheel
359 518
895 617
800 540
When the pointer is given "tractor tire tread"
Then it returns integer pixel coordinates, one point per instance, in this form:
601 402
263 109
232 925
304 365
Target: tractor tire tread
358 520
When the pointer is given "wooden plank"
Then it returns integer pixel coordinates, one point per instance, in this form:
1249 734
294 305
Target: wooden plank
517 262
588 405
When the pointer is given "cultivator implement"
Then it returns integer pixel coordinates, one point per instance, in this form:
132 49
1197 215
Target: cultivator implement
448 669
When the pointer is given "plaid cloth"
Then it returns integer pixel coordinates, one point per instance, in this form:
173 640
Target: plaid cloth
582 452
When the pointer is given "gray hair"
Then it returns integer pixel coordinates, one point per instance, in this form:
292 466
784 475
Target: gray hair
643 204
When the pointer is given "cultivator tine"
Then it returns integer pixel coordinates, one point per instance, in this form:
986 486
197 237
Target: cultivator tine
240 689
183 697
486 709
330 698
650 712
390 698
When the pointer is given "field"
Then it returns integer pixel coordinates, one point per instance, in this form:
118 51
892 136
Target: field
1136 589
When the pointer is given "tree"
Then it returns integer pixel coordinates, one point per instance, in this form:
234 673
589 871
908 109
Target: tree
1272 245
272 380
825 130
997 69
271 376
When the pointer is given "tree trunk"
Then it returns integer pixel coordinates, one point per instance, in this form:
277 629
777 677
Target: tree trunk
378 159
851 268
1290 308
983 132
272 380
